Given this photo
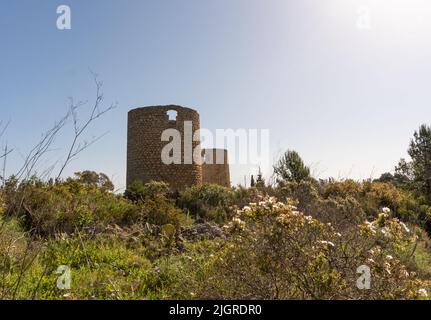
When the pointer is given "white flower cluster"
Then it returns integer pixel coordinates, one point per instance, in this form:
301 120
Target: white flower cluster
407 230
328 243
423 293
387 267
373 227
384 214
386 210
235 223
266 203
385 232
269 203
286 210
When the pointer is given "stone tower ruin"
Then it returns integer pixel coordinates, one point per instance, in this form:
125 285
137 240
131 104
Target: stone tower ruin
144 149
215 169
144 146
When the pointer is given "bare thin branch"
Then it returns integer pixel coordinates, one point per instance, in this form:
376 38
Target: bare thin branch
76 146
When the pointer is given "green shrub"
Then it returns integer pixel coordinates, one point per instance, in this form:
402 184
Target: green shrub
243 196
49 209
138 190
208 202
161 211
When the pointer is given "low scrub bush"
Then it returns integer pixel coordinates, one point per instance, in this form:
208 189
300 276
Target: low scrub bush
208 202
276 252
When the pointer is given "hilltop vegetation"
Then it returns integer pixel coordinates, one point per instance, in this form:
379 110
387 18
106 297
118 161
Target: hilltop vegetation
300 238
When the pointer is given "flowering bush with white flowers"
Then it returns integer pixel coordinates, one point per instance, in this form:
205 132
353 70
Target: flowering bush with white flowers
277 252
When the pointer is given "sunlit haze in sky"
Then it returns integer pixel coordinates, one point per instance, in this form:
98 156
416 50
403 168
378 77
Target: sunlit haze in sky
343 82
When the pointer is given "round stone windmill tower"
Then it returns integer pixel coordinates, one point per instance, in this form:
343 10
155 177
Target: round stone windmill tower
144 146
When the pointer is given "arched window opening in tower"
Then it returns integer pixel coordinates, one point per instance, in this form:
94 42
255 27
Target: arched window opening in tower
172 115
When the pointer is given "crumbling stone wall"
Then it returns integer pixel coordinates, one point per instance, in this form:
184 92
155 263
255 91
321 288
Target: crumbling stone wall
144 146
217 170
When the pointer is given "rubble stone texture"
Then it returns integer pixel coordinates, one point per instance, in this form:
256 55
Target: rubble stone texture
216 167
144 146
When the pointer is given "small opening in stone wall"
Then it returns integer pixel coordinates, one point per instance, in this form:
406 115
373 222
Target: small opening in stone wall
172 115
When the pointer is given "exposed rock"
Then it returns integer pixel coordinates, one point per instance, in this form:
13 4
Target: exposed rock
203 231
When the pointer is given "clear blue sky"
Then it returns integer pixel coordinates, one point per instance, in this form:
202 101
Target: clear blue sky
346 98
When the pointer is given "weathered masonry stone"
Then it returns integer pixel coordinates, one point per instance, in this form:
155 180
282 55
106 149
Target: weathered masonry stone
144 146
216 167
